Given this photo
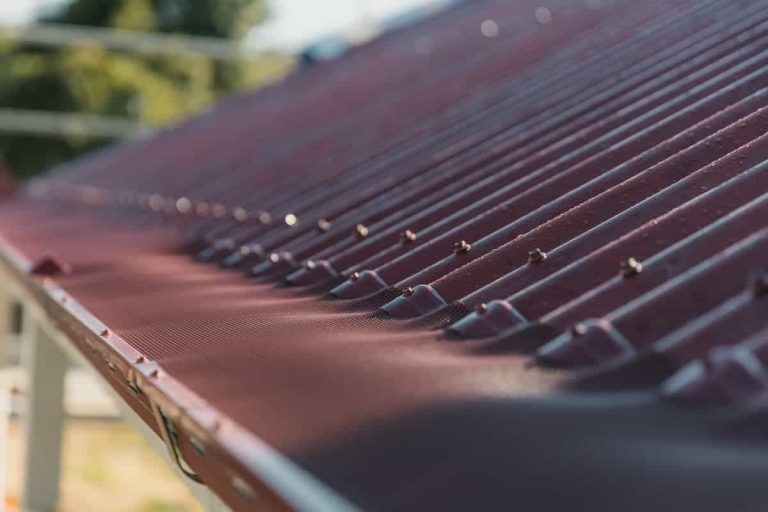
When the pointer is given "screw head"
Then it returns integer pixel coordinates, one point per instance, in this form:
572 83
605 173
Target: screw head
240 214
536 256
183 205
354 276
630 268
461 247
408 292
578 329
291 219
265 217
361 230
310 265
408 236
323 225
104 333
481 308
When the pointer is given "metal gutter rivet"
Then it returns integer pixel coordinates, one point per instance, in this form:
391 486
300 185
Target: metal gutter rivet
291 220
361 230
536 256
631 267
242 488
265 217
461 247
408 292
197 445
408 236
481 308
323 225
354 276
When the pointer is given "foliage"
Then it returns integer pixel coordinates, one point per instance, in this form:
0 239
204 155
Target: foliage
151 89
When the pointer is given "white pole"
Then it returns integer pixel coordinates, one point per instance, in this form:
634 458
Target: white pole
46 366
5 413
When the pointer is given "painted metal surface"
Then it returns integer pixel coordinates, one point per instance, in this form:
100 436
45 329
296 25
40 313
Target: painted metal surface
440 217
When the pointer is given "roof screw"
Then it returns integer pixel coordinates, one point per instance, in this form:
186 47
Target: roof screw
758 285
361 230
310 265
481 308
291 219
408 292
265 217
408 236
354 276
461 247
240 214
536 256
578 329
183 205
104 333
630 268
323 225
155 374
274 257
140 360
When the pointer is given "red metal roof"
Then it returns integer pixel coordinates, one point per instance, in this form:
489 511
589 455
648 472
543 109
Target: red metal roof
392 250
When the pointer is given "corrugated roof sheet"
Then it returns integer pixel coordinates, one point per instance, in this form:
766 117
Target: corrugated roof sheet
444 220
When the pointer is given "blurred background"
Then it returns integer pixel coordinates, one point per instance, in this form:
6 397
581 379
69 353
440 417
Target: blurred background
78 74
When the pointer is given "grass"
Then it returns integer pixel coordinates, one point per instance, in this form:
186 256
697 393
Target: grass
107 466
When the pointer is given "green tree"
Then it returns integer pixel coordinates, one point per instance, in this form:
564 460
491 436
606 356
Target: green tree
152 89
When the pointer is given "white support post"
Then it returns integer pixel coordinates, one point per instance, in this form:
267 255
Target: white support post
5 412
5 409
46 366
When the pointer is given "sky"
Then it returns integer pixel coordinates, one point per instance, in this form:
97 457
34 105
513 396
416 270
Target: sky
293 24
